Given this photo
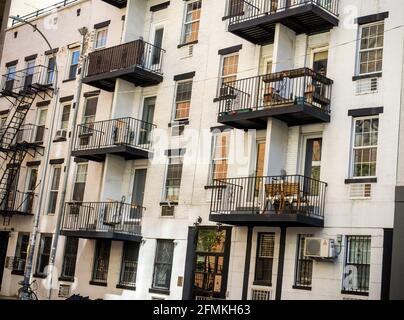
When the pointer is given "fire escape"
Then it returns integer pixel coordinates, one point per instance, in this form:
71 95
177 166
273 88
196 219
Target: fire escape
17 139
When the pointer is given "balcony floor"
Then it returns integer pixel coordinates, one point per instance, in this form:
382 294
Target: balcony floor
293 115
136 75
94 235
99 155
309 19
15 212
269 219
117 3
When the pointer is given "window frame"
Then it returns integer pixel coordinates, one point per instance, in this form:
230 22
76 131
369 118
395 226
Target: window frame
19 251
221 70
301 240
165 190
213 159
107 257
353 148
97 34
49 72
54 193
41 254
61 121
70 255
185 23
177 102
71 65
126 246
170 264
360 51
264 282
75 182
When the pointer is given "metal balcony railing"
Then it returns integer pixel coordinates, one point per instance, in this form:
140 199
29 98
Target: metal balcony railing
115 217
34 78
110 133
19 202
132 54
292 87
293 194
244 10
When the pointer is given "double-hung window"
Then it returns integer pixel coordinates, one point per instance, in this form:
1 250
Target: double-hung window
371 48
304 265
54 189
173 178
10 78
80 182
163 264
101 261
101 38
50 71
365 141
45 245
129 264
21 252
64 120
228 73
69 258
192 21
74 63
220 156
264 259
357 265
183 100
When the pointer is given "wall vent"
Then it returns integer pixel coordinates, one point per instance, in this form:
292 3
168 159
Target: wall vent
360 191
367 86
261 294
64 291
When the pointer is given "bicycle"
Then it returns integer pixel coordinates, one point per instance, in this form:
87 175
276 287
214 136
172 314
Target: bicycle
27 292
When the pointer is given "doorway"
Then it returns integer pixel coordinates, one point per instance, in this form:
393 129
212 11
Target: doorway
3 253
146 127
312 161
139 184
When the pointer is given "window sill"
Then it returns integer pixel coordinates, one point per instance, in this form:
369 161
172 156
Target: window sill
68 80
99 284
360 180
214 187
353 293
367 76
178 123
160 291
66 279
40 276
301 288
262 283
187 44
168 204
121 286
17 273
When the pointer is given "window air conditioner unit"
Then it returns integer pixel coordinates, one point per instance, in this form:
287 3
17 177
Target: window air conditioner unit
319 248
61 134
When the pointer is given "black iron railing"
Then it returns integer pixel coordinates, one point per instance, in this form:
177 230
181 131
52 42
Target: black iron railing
292 87
45 10
294 194
19 202
128 273
114 217
37 77
243 10
118 132
132 54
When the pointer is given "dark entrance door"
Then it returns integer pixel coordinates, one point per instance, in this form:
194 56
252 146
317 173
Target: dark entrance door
211 263
312 166
3 252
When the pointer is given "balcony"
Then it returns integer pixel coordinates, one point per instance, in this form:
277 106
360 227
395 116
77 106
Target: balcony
117 3
30 81
19 203
255 20
297 97
293 201
137 62
102 220
126 137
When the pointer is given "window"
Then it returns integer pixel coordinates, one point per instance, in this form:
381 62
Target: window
129 264
74 63
357 265
31 186
220 156
29 73
45 245
101 261
371 48
158 44
90 110
3 121
173 178
163 264
11 73
69 258
235 8
54 189
264 260
50 71
183 100
365 147
304 266
40 125
101 38
191 23
64 120
80 182
229 68
21 252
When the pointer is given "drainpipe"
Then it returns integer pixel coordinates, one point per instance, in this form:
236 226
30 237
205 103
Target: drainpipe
83 31
281 263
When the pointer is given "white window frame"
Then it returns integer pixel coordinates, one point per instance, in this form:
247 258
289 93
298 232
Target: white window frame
221 76
164 194
185 23
97 34
53 169
70 62
359 50
353 148
48 58
213 160
174 118
63 105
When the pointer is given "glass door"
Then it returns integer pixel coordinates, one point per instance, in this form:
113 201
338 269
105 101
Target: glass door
30 190
147 121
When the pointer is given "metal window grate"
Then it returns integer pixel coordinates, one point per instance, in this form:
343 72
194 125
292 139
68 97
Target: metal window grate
304 266
261 294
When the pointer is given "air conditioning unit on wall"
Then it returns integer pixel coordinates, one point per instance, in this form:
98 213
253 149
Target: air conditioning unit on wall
320 248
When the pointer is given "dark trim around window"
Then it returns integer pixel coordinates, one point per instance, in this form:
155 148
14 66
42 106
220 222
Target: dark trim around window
184 76
365 112
230 50
372 18
160 6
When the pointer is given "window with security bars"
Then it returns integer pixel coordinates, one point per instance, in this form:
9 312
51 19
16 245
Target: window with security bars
163 264
192 21
69 258
45 245
264 259
101 261
220 156
357 265
365 143
258 294
183 100
173 179
304 265
129 264
371 48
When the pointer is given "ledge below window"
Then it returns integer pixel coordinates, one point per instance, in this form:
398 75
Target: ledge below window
187 44
364 294
66 279
178 123
40 276
301 288
121 286
367 76
99 284
360 180
262 283
160 291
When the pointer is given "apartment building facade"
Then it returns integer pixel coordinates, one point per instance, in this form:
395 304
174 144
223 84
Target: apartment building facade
214 141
